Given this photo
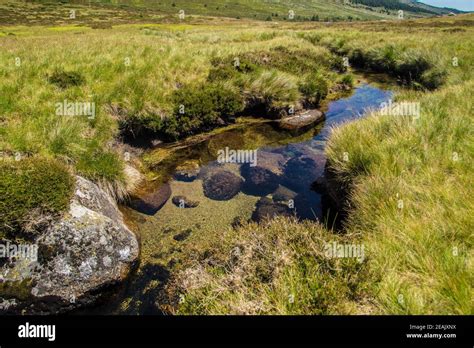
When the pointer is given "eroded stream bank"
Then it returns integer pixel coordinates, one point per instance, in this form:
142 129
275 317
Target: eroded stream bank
195 194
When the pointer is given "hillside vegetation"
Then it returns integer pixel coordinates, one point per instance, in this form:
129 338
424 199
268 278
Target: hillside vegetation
99 13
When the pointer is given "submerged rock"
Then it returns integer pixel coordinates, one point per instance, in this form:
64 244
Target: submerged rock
187 171
80 256
283 194
150 203
301 172
267 209
264 177
301 120
183 202
222 185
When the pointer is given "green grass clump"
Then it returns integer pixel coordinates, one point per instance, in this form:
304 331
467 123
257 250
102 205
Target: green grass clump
275 80
227 68
272 91
64 79
280 267
314 88
31 189
200 107
412 67
99 164
291 61
105 168
347 80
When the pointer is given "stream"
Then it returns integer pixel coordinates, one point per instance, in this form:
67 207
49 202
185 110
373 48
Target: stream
197 193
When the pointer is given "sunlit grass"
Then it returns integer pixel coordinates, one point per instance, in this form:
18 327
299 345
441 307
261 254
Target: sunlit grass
419 257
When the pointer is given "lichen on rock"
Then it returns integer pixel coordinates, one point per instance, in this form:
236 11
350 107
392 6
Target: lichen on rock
87 251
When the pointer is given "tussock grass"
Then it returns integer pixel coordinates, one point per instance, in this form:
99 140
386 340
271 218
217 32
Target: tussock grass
272 89
412 196
278 267
64 79
32 191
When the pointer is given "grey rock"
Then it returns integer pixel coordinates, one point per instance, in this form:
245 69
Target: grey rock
301 120
81 257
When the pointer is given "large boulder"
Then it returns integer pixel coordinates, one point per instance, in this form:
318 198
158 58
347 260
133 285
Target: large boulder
222 185
264 177
79 258
302 120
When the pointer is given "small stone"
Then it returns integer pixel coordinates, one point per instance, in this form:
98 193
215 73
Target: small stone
266 209
183 202
152 202
264 177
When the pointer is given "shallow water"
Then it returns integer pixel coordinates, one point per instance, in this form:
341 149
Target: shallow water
162 232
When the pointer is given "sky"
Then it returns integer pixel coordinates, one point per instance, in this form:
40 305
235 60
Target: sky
465 5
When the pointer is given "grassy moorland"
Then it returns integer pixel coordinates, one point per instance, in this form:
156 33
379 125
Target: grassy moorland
140 77
418 254
410 183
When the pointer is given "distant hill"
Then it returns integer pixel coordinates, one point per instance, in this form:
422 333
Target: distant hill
281 10
411 6
269 10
